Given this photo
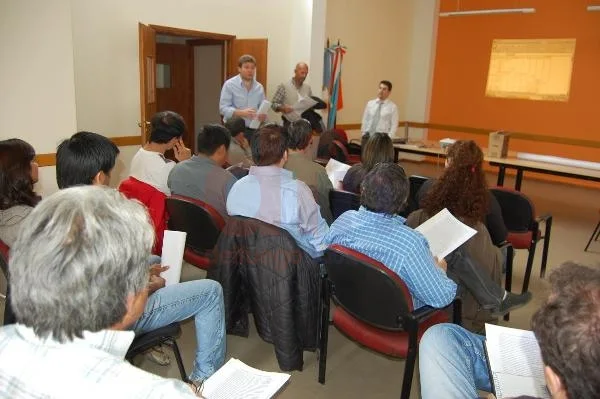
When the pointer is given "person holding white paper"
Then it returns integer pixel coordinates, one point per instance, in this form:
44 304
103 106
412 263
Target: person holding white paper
289 93
242 95
452 360
201 299
378 231
89 275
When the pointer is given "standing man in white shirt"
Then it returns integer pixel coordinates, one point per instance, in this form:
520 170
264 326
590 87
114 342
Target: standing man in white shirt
242 95
381 114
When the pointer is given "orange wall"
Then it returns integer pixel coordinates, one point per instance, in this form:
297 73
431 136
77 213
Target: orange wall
461 66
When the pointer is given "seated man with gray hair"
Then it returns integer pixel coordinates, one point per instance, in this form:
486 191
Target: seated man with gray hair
79 280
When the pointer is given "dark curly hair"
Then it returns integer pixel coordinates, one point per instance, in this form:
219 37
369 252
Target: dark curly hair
16 183
462 188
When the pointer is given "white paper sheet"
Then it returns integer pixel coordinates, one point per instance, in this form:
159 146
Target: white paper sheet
302 105
236 380
515 362
172 255
445 233
336 171
262 110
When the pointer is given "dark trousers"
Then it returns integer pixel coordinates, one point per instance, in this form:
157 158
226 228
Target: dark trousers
464 272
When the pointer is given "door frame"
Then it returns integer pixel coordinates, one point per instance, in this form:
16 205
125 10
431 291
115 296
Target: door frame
199 38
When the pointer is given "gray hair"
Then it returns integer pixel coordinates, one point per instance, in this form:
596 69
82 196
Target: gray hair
78 256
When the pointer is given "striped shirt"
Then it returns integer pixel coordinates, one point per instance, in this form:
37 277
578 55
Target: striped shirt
401 249
90 367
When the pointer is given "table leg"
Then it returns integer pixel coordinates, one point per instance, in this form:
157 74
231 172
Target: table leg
501 172
519 179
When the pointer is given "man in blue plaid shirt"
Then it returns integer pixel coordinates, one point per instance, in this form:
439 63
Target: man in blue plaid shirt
377 231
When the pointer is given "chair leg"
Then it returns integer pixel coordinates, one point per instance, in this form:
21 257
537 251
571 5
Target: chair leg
173 344
409 367
529 266
546 246
324 336
593 237
510 251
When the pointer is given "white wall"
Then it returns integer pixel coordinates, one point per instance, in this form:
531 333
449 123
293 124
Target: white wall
207 85
36 76
105 38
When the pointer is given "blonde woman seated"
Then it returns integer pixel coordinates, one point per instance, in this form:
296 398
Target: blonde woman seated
463 190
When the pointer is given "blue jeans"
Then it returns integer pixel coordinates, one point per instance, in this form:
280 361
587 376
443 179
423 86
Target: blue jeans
452 363
200 299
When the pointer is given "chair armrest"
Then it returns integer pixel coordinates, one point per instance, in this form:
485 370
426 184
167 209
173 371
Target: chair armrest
504 244
544 218
423 313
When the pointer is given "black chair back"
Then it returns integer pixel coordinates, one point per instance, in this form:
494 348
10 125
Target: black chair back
9 316
518 211
412 204
341 201
367 289
200 221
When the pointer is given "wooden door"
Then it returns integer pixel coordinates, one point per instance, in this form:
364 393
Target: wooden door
256 48
175 84
147 59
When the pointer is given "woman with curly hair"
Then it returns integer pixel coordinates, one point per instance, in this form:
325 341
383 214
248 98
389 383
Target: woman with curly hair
464 191
18 173
379 149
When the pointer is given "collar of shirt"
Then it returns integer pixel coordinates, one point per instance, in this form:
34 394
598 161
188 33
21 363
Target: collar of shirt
270 171
201 158
379 101
295 85
240 82
113 342
382 216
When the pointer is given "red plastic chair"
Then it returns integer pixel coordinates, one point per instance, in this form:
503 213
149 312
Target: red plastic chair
154 200
374 308
201 222
523 227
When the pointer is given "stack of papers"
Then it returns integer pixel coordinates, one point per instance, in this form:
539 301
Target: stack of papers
237 380
336 171
445 233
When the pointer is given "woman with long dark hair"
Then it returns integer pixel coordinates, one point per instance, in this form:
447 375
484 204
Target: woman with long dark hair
18 173
378 149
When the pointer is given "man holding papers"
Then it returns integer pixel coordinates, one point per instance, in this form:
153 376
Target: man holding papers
377 231
452 360
289 93
243 96
90 158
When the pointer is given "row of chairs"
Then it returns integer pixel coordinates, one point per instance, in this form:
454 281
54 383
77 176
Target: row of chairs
518 213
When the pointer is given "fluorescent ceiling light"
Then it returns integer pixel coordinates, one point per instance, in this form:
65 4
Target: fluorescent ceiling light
593 8
490 11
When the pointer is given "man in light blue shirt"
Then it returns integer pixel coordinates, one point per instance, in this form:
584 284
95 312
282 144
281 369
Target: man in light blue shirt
242 95
271 194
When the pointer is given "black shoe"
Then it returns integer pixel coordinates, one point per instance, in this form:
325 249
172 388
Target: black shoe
512 302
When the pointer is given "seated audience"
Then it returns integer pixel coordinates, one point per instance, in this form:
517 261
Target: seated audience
202 176
464 157
271 194
379 148
149 164
377 231
75 297
18 174
239 150
88 158
304 168
452 360
463 190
